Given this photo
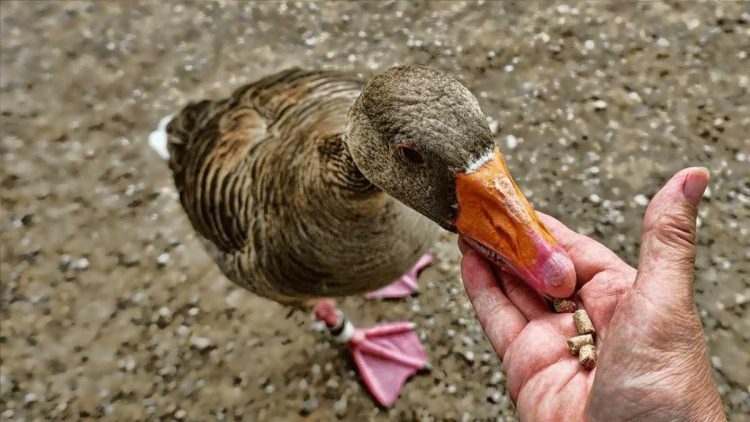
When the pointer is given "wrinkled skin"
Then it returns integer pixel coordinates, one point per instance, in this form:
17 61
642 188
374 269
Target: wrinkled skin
652 354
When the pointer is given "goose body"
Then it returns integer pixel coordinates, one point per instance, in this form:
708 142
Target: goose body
269 184
313 184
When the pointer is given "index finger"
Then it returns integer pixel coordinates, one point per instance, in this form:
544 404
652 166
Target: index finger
500 318
589 256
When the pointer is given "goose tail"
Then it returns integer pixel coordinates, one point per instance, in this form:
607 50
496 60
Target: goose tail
158 139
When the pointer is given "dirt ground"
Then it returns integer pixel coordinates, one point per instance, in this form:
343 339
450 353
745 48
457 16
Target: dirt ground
111 309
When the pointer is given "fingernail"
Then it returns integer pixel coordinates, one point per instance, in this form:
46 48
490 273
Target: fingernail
695 184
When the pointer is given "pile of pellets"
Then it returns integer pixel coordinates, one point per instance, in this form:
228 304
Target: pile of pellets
581 345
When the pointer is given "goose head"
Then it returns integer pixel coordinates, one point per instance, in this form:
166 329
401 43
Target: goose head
420 136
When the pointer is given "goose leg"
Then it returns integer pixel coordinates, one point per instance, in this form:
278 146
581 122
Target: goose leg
385 355
404 286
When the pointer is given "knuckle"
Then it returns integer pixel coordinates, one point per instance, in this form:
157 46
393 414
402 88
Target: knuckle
675 228
489 309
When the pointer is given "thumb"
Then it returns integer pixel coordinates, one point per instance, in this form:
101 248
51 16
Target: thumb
667 256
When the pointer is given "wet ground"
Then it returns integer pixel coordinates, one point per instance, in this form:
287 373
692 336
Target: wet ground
110 308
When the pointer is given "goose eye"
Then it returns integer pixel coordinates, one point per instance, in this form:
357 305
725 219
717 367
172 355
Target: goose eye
410 155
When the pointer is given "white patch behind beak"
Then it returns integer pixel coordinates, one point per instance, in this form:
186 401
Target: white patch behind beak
479 162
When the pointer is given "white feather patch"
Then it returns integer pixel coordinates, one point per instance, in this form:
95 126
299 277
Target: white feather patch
158 138
479 162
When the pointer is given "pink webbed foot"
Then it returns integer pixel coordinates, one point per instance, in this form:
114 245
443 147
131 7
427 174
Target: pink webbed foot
404 286
386 355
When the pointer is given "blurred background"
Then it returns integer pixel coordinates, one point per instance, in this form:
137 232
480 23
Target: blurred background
110 307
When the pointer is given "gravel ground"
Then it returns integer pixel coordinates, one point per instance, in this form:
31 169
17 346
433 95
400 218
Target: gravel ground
111 309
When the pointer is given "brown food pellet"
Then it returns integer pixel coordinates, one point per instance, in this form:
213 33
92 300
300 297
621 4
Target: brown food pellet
583 323
563 305
575 343
587 356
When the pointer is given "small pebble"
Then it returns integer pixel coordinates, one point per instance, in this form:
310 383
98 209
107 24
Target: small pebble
496 378
339 407
80 264
635 97
641 199
493 126
511 141
200 342
65 261
716 362
600 105
444 267
163 259
332 384
309 406
494 396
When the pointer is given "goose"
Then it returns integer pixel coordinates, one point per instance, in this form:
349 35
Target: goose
310 185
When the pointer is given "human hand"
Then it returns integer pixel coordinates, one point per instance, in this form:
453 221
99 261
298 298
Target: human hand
652 355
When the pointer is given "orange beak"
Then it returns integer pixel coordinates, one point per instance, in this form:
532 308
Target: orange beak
496 219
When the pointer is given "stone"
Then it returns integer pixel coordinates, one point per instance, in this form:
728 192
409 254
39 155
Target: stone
309 406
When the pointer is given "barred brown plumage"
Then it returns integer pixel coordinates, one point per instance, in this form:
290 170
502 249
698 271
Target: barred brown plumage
267 180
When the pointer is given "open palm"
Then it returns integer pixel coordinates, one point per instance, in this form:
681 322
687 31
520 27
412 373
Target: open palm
652 361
